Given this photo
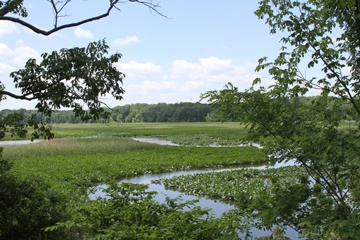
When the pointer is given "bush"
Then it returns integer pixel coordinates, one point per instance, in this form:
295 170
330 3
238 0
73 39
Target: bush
27 207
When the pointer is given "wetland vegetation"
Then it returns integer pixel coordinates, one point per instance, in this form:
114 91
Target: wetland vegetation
87 154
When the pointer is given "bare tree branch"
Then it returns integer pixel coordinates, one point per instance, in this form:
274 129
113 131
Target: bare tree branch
151 6
3 12
56 10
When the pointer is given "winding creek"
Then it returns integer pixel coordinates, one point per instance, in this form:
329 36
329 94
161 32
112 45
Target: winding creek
218 208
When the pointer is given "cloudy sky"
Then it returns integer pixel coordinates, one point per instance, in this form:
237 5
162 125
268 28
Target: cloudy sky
200 47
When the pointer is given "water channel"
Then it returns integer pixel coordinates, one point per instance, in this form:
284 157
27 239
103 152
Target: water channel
218 208
18 142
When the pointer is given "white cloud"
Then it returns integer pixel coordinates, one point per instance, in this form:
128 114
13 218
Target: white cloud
6 54
192 85
19 55
23 53
217 66
127 40
163 86
168 87
133 69
183 67
7 27
80 33
215 70
163 91
5 68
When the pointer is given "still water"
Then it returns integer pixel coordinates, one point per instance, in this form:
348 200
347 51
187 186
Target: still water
218 208
18 142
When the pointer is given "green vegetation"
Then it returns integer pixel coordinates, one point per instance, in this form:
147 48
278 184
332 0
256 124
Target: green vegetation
223 130
321 199
27 206
91 160
235 184
321 36
134 113
68 166
149 113
262 195
130 212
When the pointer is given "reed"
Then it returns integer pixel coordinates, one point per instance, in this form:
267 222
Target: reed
68 147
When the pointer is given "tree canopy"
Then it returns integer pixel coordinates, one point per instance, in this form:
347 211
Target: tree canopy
68 78
73 78
322 35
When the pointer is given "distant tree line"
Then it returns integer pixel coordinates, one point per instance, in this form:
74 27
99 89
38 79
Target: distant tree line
161 112
145 113
136 113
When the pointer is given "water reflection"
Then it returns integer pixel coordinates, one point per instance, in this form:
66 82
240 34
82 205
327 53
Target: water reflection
160 141
154 140
18 142
217 207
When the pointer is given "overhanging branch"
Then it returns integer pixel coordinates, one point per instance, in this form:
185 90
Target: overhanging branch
47 33
149 4
21 97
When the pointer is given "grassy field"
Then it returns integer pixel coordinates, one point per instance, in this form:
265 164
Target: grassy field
74 159
224 130
83 155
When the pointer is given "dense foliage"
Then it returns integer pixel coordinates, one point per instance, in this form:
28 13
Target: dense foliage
323 37
130 212
143 113
133 113
27 206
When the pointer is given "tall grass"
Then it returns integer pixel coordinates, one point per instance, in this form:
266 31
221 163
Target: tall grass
68 147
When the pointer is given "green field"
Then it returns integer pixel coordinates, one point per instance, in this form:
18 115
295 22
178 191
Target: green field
224 130
59 173
86 154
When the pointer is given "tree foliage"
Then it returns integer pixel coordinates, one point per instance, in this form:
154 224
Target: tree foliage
27 206
66 78
69 78
322 35
63 78
132 113
131 212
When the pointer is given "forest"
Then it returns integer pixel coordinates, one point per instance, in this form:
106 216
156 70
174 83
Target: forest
146 113
136 113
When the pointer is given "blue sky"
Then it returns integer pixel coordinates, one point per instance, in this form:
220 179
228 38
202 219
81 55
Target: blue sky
202 46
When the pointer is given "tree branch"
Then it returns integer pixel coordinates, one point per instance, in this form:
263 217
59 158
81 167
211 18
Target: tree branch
22 97
47 33
149 4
